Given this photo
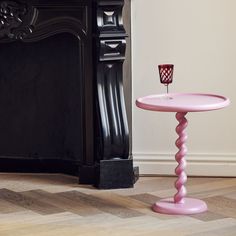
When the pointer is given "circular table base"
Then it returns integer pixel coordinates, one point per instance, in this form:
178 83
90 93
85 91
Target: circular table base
190 206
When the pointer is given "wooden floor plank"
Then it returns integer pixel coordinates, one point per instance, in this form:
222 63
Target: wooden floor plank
225 231
209 216
73 205
29 203
105 205
146 198
8 207
222 205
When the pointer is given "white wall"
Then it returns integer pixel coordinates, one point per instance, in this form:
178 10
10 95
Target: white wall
199 38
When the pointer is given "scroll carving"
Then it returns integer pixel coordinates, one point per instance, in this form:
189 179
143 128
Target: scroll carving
12 20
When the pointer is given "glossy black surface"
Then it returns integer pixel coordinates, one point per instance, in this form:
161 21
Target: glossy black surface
111 41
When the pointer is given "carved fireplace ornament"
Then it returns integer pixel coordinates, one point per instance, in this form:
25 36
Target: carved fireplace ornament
12 20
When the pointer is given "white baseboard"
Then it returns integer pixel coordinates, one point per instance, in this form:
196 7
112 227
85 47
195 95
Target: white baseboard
200 164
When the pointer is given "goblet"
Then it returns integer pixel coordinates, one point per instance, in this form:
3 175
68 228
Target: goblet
166 74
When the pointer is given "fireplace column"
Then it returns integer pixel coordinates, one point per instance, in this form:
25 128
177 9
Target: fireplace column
113 164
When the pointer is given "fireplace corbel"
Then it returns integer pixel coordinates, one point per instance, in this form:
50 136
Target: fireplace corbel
106 160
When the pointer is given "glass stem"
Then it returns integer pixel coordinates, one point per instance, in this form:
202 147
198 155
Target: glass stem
167 88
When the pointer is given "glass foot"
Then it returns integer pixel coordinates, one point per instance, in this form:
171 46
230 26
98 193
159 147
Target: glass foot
190 206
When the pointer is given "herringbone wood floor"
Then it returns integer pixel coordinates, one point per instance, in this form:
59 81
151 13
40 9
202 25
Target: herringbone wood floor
48 205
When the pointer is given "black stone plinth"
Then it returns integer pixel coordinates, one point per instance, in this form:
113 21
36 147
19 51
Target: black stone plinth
116 173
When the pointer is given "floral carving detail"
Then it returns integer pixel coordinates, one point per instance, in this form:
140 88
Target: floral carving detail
11 19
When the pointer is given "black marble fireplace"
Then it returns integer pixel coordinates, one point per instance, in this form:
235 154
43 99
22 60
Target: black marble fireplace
62 106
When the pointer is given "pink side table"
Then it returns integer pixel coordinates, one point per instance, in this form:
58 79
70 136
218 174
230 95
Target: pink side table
181 103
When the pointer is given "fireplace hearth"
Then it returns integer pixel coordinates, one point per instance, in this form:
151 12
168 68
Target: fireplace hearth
62 102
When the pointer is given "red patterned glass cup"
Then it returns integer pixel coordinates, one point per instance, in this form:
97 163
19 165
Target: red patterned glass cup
166 74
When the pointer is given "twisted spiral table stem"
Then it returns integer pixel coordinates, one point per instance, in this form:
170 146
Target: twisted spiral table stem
180 158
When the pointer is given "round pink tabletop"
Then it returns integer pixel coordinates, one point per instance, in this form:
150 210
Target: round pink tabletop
182 102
